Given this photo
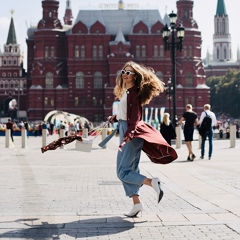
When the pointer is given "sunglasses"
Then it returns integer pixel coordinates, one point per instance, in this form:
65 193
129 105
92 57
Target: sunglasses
127 72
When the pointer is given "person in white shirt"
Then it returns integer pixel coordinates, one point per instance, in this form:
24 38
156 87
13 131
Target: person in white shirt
209 135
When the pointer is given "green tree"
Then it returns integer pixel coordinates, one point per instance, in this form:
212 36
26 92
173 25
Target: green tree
225 93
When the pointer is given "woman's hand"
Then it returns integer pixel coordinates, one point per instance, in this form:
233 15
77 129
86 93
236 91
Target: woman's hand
112 118
126 139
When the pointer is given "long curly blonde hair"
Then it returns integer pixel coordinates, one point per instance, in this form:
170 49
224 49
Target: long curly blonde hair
149 84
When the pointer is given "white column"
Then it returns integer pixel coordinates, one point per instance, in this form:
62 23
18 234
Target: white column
61 134
24 137
7 138
178 130
44 137
233 136
104 135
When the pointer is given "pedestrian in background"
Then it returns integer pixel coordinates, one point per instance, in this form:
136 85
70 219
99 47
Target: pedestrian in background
9 125
209 134
191 120
135 86
26 126
167 129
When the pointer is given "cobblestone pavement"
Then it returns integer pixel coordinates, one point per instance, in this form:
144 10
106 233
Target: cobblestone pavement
68 194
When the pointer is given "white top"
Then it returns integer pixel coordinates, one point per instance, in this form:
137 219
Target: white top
212 116
122 109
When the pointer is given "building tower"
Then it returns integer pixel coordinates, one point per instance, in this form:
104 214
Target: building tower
12 75
222 49
47 67
68 17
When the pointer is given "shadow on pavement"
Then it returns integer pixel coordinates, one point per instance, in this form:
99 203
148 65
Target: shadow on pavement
78 229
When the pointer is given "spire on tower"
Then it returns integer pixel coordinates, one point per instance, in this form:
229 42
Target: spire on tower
11 39
221 8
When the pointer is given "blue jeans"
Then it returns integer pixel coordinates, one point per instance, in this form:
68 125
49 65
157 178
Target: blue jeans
210 138
128 161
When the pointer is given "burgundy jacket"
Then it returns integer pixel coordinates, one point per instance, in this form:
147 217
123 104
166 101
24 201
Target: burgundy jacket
155 146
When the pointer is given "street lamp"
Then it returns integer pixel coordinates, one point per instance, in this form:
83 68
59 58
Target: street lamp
169 89
173 46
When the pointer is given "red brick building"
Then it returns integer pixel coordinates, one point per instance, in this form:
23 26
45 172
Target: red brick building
72 66
13 81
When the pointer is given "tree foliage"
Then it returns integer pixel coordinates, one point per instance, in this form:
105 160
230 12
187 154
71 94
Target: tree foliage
225 93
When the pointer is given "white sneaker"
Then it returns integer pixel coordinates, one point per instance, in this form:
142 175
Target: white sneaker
156 186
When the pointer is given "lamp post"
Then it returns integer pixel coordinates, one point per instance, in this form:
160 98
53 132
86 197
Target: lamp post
173 46
169 90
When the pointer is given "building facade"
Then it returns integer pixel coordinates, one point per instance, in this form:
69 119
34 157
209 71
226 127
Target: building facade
72 66
13 81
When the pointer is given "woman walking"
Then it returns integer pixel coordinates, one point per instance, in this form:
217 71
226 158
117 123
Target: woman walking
167 129
135 86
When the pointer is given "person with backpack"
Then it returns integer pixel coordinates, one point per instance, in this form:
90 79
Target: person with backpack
207 122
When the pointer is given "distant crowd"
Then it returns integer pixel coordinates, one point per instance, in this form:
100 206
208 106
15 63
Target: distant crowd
36 127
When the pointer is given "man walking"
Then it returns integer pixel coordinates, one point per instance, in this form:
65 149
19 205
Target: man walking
209 133
9 125
191 120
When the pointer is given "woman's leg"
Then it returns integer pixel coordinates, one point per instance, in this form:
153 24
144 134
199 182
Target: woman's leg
127 167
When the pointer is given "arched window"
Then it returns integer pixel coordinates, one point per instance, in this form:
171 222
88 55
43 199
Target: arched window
2 85
94 101
225 53
218 53
49 80
52 52
155 51
100 51
97 80
82 51
76 52
76 101
143 51
189 79
6 84
161 51
46 52
94 51
80 80
159 75
190 52
137 51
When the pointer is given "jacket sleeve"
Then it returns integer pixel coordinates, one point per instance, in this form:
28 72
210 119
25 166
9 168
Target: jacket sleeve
134 113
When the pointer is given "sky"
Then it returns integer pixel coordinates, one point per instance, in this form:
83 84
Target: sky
29 12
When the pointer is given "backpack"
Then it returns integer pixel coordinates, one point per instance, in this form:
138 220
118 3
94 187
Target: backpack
206 125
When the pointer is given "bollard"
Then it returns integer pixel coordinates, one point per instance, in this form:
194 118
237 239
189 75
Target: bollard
233 136
23 136
44 137
178 130
61 134
7 138
85 133
104 135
